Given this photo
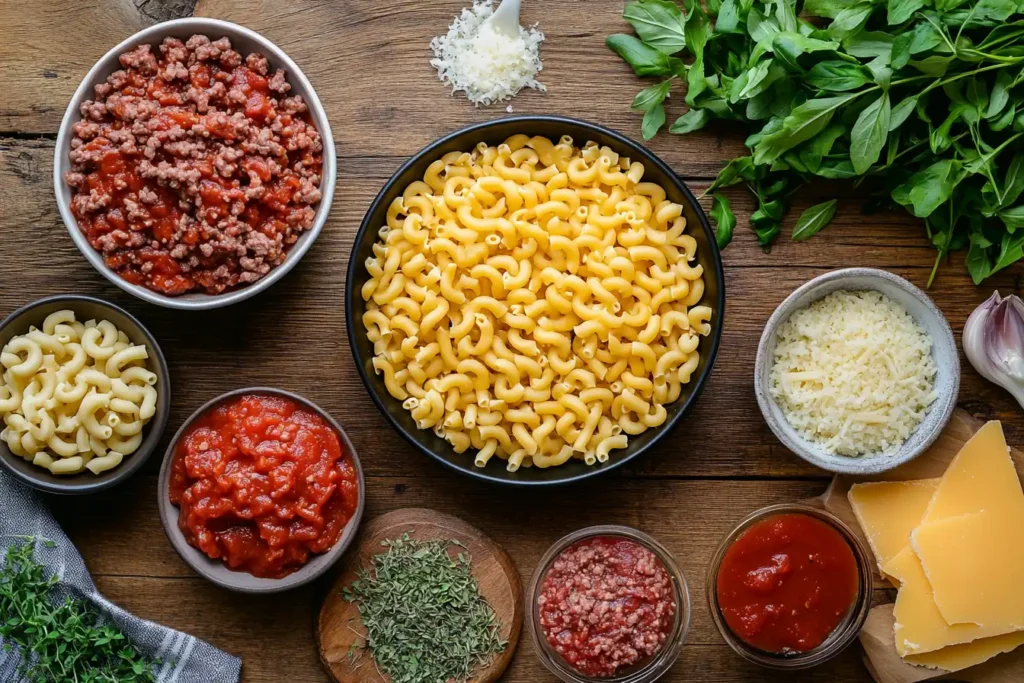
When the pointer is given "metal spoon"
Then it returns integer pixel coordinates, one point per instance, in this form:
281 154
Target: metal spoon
505 19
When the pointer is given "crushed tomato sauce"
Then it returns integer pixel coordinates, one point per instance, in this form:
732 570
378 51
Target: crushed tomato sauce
606 604
263 483
786 583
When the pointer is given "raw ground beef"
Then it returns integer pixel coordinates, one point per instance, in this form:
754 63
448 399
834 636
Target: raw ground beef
193 169
606 604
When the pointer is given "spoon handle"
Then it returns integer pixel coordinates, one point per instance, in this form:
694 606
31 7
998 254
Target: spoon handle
506 18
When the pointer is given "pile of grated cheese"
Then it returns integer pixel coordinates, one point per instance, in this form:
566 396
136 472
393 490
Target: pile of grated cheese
488 66
853 372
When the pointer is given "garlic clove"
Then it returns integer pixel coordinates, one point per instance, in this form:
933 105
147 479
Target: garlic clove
974 339
994 342
1013 337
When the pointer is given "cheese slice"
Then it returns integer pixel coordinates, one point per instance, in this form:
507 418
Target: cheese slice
975 565
888 511
919 626
957 657
981 477
957 555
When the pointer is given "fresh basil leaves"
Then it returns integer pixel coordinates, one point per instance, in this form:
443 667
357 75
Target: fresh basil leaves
814 219
920 101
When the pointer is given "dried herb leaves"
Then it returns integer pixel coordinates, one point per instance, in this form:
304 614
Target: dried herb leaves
423 613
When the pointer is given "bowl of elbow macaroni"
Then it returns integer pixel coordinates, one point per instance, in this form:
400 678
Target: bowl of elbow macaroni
84 394
534 300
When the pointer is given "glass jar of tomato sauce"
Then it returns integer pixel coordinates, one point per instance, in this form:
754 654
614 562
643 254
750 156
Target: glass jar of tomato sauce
566 620
790 587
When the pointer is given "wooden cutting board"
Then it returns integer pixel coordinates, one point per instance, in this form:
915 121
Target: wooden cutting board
339 629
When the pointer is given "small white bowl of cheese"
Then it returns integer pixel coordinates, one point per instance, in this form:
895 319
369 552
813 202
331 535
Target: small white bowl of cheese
857 371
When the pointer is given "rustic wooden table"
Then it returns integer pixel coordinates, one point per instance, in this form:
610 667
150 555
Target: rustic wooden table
368 61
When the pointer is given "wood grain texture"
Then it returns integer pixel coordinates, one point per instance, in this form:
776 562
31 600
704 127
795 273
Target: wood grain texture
376 78
48 48
275 634
246 345
369 61
339 631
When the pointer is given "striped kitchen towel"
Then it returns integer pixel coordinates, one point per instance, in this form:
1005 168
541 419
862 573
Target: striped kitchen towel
185 659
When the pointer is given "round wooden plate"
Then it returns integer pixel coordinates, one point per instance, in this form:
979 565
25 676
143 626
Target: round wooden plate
339 628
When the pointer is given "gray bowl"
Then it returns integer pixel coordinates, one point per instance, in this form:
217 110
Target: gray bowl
944 351
243 40
216 571
87 308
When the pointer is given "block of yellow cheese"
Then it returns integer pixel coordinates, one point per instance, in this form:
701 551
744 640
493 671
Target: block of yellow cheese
975 565
981 477
920 627
957 657
914 526
888 511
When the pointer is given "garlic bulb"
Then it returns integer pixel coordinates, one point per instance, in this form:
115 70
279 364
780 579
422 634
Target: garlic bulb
994 342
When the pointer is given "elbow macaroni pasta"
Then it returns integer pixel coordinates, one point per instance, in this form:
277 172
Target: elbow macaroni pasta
75 396
535 301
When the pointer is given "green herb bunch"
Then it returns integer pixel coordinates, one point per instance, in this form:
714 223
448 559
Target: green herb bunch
919 100
425 619
60 642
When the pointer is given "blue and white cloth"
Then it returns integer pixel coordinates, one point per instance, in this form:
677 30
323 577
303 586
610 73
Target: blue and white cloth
185 659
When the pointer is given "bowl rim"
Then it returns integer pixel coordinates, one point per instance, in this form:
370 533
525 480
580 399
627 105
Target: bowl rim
945 403
328 176
352 272
49 483
207 567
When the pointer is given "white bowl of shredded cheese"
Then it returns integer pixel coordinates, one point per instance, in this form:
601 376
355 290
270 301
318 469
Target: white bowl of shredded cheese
857 371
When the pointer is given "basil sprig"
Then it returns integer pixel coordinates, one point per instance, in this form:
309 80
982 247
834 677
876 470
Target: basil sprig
918 100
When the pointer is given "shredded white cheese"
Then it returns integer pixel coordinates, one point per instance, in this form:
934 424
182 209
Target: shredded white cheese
486 65
854 372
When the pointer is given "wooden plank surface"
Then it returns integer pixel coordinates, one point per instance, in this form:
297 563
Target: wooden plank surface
689 517
368 60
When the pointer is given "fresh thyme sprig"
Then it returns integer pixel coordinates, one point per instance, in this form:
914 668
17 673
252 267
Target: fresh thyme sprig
60 641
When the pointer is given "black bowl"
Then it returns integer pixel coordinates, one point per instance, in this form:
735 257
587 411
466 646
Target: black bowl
86 308
493 132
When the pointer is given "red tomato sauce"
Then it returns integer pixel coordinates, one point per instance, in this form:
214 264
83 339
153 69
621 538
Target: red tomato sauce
263 483
786 583
606 604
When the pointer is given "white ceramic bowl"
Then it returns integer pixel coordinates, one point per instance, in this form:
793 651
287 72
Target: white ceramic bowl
944 351
244 41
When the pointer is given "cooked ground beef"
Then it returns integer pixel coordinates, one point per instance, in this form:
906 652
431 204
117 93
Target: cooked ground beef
192 169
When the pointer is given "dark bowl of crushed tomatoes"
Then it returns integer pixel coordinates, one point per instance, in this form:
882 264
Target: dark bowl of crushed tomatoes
790 587
261 491
608 604
153 272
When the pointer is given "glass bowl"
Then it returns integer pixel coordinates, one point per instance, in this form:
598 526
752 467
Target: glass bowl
841 637
647 671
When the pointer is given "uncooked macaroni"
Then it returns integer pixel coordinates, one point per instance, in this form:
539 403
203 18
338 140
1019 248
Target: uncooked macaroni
75 396
535 301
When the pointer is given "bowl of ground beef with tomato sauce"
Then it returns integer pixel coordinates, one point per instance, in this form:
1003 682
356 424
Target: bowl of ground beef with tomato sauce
195 165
